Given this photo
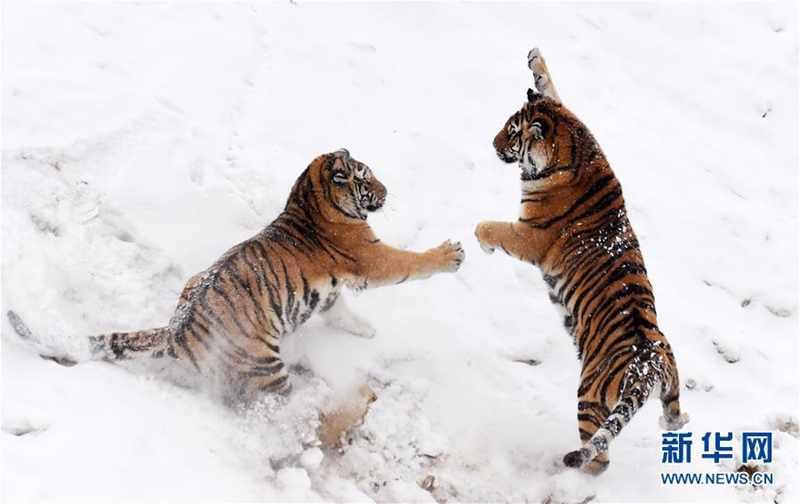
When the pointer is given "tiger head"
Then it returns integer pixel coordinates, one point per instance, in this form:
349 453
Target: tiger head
349 185
539 137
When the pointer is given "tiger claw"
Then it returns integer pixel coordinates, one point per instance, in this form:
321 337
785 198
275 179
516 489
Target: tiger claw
532 55
488 249
451 255
455 255
541 76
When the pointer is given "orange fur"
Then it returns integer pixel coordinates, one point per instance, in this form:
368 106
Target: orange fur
230 318
573 225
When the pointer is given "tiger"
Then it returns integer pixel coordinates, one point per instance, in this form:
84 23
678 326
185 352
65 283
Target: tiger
574 227
230 318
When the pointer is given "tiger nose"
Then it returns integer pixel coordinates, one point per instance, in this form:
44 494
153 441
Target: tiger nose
379 190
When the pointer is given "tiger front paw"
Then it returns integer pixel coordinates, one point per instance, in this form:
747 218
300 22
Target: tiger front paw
535 59
483 234
450 254
357 326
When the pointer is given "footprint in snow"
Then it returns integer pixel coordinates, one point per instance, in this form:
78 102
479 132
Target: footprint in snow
23 428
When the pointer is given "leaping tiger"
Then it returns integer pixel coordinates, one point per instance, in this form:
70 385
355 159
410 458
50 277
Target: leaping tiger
230 318
573 225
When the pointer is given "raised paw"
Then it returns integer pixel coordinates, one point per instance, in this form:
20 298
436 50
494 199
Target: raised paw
534 59
482 233
451 254
536 64
675 423
541 76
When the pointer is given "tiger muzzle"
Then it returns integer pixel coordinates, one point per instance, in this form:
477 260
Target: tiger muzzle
501 145
375 197
505 157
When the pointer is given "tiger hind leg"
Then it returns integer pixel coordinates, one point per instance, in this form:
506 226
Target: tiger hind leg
339 316
541 76
603 426
593 457
672 419
252 383
597 465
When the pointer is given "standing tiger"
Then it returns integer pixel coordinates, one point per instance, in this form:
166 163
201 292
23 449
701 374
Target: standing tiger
574 227
230 317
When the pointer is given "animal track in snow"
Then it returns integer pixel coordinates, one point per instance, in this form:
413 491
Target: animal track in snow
23 428
692 384
787 424
730 355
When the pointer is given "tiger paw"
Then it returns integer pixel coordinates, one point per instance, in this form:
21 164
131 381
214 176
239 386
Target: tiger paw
482 233
675 423
595 467
343 319
534 55
451 255
359 327
536 64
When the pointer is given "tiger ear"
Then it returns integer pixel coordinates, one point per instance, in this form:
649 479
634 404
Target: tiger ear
532 95
537 130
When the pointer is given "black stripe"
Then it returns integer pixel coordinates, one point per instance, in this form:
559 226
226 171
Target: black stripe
597 279
598 186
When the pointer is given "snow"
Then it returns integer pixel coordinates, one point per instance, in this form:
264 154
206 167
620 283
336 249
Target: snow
141 140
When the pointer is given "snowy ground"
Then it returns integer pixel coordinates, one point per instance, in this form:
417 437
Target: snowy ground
141 140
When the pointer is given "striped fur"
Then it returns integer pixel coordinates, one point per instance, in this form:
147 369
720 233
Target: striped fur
230 318
574 226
